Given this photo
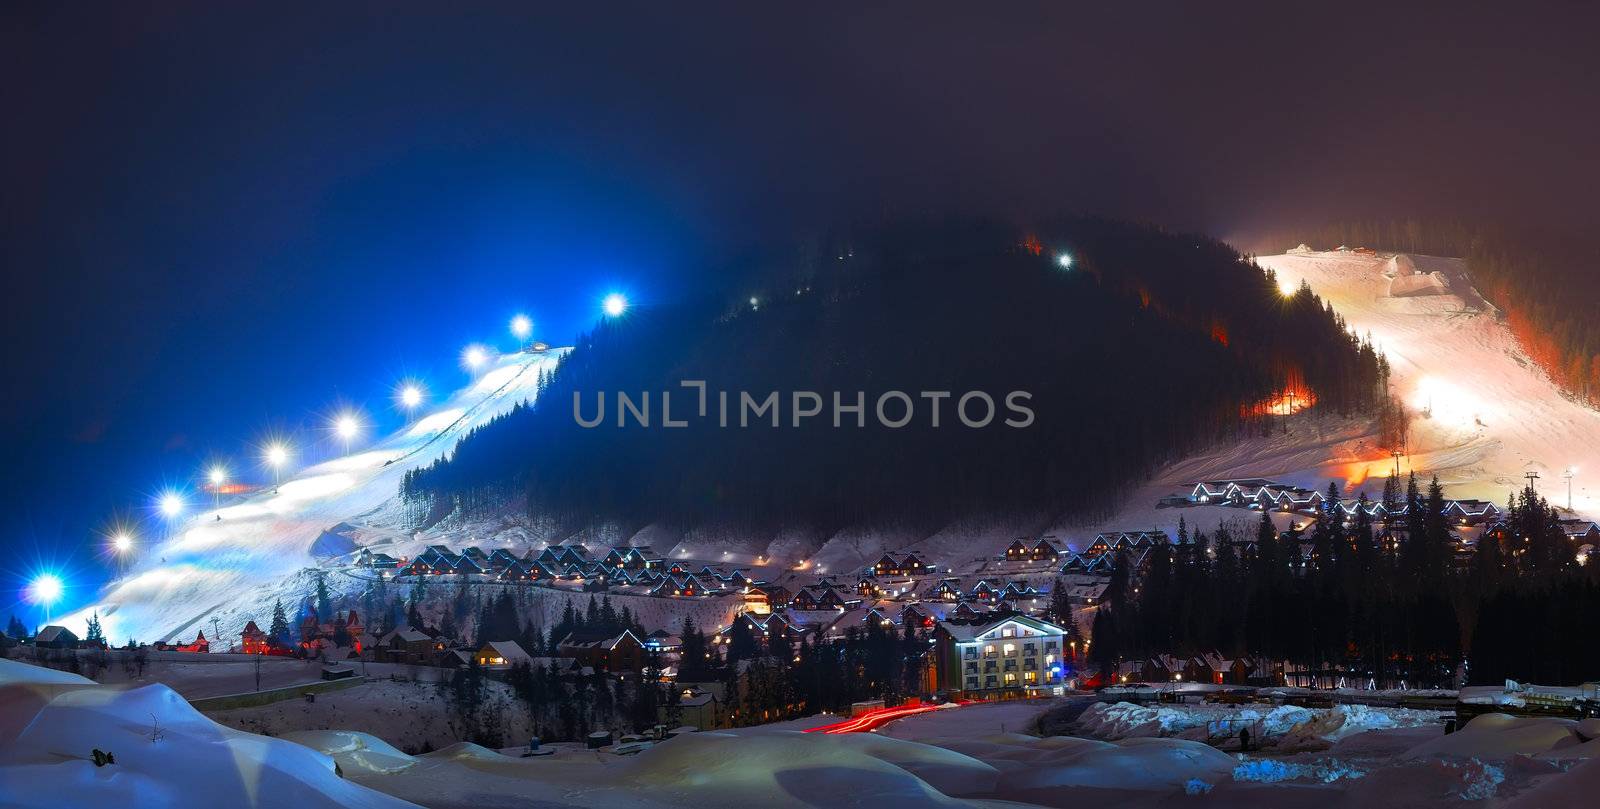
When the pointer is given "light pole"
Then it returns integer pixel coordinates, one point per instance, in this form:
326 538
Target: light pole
276 455
45 591
218 477
1571 470
521 328
346 426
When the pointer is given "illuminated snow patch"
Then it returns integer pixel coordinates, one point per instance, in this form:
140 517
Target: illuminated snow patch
493 380
351 463
435 423
1447 403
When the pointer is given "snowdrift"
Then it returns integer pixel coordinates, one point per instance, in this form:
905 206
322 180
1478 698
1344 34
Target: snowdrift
725 769
1405 286
166 755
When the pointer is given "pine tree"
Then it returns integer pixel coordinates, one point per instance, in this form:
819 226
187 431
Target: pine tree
279 633
93 633
324 604
16 628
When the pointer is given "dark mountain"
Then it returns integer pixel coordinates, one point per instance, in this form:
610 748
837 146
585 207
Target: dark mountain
1151 345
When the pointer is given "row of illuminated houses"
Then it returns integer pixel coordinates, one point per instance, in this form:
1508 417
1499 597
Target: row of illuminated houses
1260 493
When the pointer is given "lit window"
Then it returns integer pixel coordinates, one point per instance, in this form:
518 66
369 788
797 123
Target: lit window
1011 649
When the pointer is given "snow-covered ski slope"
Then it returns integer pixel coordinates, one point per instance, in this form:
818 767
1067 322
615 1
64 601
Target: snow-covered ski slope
1486 415
238 564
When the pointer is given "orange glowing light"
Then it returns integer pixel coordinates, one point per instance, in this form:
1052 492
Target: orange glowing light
1031 244
1219 332
1292 398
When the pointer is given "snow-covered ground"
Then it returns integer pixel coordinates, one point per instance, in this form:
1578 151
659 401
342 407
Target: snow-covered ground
1494 415
168 755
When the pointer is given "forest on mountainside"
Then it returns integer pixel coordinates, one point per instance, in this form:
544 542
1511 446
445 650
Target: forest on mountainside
1536 280
1149 346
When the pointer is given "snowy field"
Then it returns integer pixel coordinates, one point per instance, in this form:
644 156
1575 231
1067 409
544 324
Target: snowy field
168 755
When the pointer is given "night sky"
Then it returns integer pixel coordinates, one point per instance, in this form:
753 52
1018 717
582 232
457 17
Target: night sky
216 223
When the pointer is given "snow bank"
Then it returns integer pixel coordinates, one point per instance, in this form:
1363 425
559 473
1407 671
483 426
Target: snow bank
1143 764
166 753
354 752
1497 737
1329 726
25 690
783 768
1400 265
1405 286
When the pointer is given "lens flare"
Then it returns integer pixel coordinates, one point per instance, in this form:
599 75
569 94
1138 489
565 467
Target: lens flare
45 589
171 504
474 357
276 454
615 304
409 395
346 426
521 327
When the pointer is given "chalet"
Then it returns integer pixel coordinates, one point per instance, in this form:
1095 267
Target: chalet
376 561
1045 550
499 654
56 637
918 616
1074 564
818 597
252 641
200 645
476 554
502 559
410 645
1017 551
418 567
518 571
442 565
1349 509
1101 546
945 590
699 706
1160 669
605 652
1471 512
662 641
436 555
1291 499
1209 491
466 566
1583 532
777 594
1011 653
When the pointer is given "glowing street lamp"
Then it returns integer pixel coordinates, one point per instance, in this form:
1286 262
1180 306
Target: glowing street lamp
275 455
217 476
1064 261
615 304
521 328
171 504
409 396
45 590
347 426
474 358
122 542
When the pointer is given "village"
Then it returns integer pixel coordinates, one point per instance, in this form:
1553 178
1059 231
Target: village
1020 626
